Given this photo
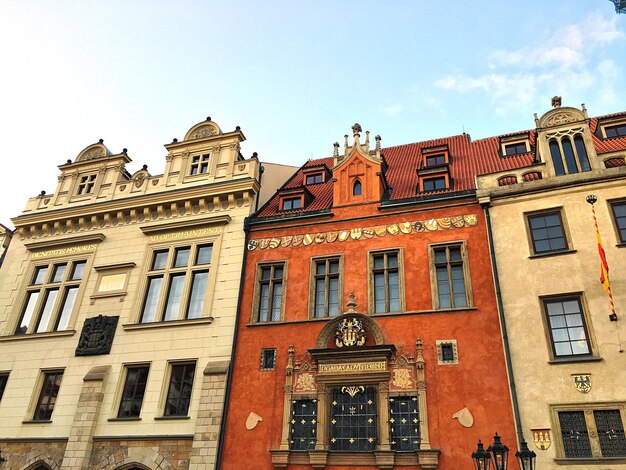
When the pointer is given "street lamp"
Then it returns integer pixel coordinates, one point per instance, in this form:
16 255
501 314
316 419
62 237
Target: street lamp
482 459
499 453
526 457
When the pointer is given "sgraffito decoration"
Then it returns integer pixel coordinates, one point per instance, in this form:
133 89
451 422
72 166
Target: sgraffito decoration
97 336
305 382
401 378
364 233
350 332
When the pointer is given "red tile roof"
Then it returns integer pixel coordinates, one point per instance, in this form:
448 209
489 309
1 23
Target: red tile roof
467 159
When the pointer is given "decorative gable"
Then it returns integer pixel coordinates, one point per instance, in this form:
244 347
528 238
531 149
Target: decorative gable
358 173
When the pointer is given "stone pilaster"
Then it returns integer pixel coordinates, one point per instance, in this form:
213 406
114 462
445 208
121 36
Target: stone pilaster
205 439
80 442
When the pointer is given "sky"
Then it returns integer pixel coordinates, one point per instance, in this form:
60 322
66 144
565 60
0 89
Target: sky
294 75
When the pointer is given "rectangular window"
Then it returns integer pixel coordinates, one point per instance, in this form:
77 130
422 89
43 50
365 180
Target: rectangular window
48 395
404 423
4 378
386 281
290 203
268 358
326 277
547 232
270 292
133 391
315 178
303 425
177 282
619 213
436 160
566 322
434 184
86 184
179 391
450 271
200 164
50 297
597 426
515 148
353 419
618 130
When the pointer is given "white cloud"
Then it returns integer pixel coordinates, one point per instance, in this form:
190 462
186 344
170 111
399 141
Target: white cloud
568 62
393 110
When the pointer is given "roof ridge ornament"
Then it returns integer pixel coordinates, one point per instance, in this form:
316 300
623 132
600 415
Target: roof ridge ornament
556 101
351 304
362 148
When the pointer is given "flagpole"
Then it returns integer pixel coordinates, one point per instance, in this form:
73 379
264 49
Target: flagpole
604 269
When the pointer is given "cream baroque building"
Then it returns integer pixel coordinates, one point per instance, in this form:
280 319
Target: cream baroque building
567 355
117 307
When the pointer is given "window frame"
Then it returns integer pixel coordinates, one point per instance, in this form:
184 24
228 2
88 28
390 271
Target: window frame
254 318
571 136
515 142
86 182
371 287
467 277
594 440
4 380
262 361
433 178
587 325
314 175
566 235
312 285
122 385
621 241
33 409
291 199
169 271
166 387
48 285
203 162
614 124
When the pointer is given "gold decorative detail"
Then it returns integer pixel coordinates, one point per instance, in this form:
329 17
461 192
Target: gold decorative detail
542 438
358 233
582 382
401 378
351 440
305 382
63 251
189 234
122 187
241 167
333 420
352 367
352 408
274 243
353 390
370 420
350 332
371 439
333 440
155 182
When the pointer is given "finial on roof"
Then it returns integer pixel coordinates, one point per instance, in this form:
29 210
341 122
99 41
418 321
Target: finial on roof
345 145
124 150
69 161
145 167
356 130
43 192
367 140
336 149
101 141
237 128
351 303
377 138
174 140
208 118
255 155
556 101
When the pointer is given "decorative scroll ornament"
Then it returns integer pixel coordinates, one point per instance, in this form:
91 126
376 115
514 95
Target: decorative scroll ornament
560 118
350 332
305 382
353 390
402 378
365 233
542 438
94 153
582 382
201 132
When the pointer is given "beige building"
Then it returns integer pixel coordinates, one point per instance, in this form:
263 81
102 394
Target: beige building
567 354
117 308
5 239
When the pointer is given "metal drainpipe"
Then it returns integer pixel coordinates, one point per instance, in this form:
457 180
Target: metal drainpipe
218 456
505 336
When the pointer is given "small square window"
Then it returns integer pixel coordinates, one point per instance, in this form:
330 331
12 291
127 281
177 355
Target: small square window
48 395
268 359
315 178
547 232
133 391
434 184
86 184
291 203
618 130
515 148
200 164
447 352
436 160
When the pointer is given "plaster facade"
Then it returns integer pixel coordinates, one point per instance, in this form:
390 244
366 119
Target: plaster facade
533 278
95 245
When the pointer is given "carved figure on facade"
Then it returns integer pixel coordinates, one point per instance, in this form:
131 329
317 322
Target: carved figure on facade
97 336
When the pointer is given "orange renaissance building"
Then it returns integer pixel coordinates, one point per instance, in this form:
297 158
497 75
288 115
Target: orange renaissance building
368 333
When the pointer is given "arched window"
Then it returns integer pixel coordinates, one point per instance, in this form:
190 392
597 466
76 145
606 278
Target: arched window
357 189
583 159
570 160
555 151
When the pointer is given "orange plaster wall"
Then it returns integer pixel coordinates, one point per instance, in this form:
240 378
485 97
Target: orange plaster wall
478 382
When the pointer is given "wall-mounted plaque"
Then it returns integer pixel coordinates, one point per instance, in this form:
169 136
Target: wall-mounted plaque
97 336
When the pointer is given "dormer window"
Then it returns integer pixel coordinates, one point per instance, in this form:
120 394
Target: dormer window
357 188
436 160
86 184
200 164
291 203
434 184
515 148
618 130
517 144
315 178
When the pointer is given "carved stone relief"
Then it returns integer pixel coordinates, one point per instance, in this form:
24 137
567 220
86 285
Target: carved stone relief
97 336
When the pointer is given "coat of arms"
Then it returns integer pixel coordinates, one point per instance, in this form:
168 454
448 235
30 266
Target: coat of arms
350 332
582 382
541 438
